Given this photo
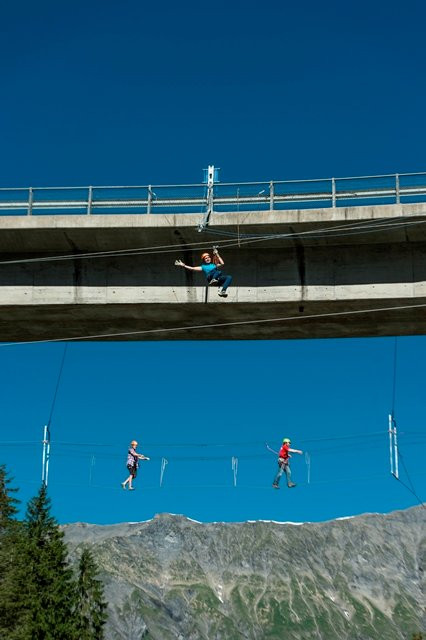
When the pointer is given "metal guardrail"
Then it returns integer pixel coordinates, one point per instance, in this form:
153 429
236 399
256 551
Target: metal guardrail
227 197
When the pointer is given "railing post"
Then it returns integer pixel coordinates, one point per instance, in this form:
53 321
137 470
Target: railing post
30 201
333 192
148 208
271 196
397 194
89 201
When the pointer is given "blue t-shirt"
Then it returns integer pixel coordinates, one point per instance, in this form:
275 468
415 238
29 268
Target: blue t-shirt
208 268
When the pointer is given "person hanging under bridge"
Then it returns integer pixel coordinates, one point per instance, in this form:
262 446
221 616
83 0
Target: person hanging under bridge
210 267
284 464
133 458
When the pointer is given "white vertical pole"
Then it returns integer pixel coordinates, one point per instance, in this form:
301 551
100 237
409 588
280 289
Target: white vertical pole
395 451
209 201
47 456
210 183
391 444
92 464
308 464
43 457
235 469
163 467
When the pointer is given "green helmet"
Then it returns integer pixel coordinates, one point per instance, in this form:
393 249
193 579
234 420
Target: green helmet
287 440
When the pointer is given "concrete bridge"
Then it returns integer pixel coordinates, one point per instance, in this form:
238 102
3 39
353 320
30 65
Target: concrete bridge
295 264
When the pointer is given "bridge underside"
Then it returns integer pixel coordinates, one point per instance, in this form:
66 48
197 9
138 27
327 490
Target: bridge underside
307 264
266 321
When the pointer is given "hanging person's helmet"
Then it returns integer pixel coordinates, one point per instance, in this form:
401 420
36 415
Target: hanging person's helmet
134 443
286 441
205 255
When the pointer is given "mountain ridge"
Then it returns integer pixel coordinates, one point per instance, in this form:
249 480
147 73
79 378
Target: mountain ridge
356 578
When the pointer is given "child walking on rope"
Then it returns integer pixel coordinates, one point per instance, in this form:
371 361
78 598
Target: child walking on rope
210 268
132 464
284 464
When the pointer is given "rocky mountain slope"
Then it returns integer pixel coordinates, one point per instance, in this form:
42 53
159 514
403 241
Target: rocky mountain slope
359 578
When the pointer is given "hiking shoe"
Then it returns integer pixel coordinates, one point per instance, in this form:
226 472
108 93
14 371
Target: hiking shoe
131 488
291 485
222 293
123 484
275 485
213 281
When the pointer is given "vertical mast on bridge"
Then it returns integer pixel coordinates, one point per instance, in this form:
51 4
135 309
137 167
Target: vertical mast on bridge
211 175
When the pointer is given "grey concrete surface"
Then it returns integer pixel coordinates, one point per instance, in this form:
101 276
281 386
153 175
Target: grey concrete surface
336 269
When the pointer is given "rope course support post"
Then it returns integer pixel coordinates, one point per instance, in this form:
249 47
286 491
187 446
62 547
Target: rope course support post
234 464
333 192
308 465
45 456
397 193
164 462
92 464
393 447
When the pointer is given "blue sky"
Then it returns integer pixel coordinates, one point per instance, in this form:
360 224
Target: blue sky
132 93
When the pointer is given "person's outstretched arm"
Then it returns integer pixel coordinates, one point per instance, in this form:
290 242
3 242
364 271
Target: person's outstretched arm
142 457
218 260
180 263
295 451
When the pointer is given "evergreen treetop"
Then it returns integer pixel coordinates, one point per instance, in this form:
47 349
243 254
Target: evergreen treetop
91 607
8 504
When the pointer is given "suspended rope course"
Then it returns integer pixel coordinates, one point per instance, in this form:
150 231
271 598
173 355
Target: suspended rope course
87 453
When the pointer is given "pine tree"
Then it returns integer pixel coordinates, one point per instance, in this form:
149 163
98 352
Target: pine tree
49 588
8 504
91 607
11 565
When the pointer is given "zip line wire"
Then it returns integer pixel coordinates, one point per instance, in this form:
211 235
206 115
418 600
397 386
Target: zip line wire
395 350
360 228
58 381
225 444
216 325
410 487
355 436
95 446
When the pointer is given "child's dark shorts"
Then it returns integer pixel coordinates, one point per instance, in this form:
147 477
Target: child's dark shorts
132 470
